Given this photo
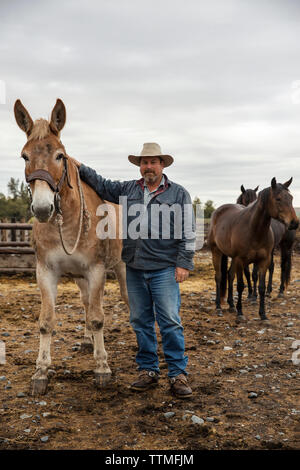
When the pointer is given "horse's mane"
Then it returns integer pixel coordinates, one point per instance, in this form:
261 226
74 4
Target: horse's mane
40 130
265 193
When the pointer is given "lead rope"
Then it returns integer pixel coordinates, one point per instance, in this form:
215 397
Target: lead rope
83 213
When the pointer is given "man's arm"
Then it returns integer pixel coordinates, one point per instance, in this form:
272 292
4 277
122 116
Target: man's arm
105 188
186 244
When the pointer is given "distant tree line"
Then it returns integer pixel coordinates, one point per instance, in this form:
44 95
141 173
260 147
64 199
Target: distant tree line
208 207
17 204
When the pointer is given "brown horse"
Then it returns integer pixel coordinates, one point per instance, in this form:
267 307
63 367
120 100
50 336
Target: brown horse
58 197
283 239
245 235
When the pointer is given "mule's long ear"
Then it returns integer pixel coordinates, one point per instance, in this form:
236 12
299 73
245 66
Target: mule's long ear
58 117
23 118
287 183
243 189
273 183
255 189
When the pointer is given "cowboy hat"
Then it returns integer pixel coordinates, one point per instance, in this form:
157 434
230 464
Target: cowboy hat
151 150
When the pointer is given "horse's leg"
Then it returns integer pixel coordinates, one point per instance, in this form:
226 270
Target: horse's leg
95 322
47 282
120 271
254 279
271 271
216 258
231 274
262 288
247 274
240 288
87 344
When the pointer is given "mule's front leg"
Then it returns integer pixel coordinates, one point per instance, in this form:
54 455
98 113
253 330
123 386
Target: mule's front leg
47 283
95 323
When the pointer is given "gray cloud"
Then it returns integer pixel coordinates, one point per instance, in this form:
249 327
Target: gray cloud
211 82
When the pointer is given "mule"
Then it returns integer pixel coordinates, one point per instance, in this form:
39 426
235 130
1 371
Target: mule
65 210
283 239
245 235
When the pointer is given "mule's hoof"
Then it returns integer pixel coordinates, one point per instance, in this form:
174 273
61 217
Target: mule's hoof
253 299
264 319
232 309
39 386
86 347
218 311
268 294
102 379
240 319
281 295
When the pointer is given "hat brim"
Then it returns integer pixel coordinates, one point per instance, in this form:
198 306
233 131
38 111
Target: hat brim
135 159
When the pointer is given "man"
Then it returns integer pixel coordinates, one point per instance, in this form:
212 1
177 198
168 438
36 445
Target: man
154 264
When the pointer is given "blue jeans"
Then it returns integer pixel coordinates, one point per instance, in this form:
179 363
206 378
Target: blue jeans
155 295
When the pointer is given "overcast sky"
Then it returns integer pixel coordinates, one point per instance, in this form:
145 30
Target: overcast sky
216 84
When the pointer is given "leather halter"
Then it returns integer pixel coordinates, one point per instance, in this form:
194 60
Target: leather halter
44 175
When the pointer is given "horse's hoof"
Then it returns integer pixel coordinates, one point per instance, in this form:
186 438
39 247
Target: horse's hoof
264 319
102 379
268 294
218 310
39 386
86 347
232 309
280 295
240 319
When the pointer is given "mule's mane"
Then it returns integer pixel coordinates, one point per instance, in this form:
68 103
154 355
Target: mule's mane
40 130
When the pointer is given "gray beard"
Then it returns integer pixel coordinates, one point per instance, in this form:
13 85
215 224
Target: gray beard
150 178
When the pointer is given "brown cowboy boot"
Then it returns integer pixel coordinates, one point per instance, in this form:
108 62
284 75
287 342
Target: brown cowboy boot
180 386
147 379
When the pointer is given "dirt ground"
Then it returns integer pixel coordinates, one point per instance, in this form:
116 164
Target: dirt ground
246 386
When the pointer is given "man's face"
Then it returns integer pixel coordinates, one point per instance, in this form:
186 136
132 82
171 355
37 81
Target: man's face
151 169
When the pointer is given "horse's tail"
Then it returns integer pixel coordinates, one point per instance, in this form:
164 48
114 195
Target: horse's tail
286 256
223 285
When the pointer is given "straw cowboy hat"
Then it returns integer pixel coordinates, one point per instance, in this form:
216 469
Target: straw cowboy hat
151 150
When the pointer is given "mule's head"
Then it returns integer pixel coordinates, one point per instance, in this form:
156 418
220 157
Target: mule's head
281 204
247 196
42 151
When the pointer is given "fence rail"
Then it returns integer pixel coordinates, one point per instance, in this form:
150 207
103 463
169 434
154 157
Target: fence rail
16 252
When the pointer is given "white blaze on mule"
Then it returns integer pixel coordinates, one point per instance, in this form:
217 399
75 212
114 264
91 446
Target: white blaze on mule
65 211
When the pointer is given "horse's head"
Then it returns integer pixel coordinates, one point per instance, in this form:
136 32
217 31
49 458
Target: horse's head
281 204
45 158
247 196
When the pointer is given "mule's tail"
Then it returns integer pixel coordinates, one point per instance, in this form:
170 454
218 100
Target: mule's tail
223 286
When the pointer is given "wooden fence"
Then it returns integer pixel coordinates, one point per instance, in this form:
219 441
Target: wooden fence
16 252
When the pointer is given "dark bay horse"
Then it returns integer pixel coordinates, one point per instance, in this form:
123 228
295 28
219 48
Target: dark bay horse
283 239
245 235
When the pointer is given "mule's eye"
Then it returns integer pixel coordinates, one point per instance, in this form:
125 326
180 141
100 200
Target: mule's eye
278 199
25 157
60 156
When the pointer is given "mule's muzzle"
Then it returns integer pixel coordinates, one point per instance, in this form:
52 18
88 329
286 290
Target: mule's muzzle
43 213
293 225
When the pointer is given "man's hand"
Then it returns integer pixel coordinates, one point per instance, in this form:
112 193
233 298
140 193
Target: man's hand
181 274
77 163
